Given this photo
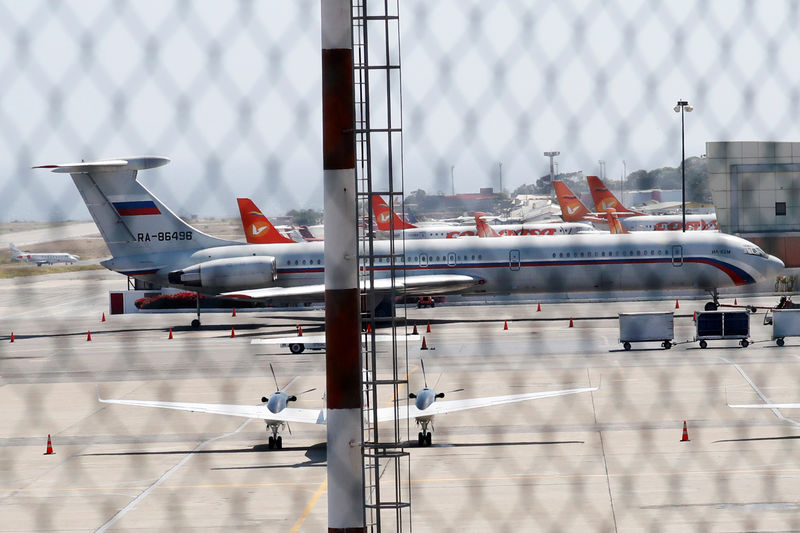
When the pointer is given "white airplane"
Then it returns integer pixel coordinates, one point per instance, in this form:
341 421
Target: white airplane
47 258
276 414
149 242
297 344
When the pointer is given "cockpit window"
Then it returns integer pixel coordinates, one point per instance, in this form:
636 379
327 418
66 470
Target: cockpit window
754 250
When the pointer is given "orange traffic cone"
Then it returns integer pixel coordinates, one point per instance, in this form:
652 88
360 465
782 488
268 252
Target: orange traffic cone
694 316
538 306
735 302
299 330
415 332
233 333
12 336
170 333
104 318
505 325
424 344
685 436
89 336
570 322
49 447
677 305
369 328
234 312
428 330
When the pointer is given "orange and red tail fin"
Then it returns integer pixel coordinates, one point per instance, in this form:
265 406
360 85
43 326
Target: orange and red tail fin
483 227
257 228
614 225
605 199
572 209
383 213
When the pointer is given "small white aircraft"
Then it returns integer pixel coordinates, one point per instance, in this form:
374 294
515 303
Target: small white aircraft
276 414
40 259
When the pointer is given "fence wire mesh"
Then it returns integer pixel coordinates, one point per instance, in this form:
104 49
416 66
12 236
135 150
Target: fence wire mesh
230 91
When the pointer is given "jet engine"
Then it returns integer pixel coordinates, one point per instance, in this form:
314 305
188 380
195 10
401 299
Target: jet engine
230 274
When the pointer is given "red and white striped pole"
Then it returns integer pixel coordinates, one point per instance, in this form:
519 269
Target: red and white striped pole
342 323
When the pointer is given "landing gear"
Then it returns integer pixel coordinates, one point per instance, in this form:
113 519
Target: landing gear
195 324
714 303
275 442
424 437
196 321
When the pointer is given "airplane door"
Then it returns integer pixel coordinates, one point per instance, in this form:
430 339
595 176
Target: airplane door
423 260
513 259
451 259
677 255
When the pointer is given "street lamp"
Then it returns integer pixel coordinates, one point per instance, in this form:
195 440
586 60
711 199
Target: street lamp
682 106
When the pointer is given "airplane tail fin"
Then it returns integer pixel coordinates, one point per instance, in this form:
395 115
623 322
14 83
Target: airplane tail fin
130 218
483 227
257 228
603 198
383 213
14 250
572 209
614 225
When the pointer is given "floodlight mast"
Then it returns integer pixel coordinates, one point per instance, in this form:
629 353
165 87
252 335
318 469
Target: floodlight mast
682 106
551 155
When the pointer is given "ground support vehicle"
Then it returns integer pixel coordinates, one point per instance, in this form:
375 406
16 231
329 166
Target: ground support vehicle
646 327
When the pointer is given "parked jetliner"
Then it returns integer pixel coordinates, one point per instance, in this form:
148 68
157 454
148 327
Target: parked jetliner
484 229
383 213
276 414
150 242
605 199
257 227
46 258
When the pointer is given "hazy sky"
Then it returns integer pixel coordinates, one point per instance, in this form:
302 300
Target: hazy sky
231 92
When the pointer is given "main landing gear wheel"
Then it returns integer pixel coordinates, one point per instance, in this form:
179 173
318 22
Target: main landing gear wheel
626 345
195 323
703 344
710 306
296 347
744 343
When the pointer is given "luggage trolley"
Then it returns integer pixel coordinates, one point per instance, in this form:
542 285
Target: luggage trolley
785 323
722 325
646 327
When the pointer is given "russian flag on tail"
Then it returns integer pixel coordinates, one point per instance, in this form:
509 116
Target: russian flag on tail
129 209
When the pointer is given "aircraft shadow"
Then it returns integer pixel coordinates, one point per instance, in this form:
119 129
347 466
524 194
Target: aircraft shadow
753 439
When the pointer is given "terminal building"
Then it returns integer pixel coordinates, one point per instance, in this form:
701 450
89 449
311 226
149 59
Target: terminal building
756 191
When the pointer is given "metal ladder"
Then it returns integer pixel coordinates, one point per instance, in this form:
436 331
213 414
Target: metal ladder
386 465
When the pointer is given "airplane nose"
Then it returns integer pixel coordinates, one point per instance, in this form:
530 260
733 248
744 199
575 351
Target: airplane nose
776 264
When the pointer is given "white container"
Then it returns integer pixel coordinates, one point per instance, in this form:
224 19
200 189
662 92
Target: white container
646 327
785 323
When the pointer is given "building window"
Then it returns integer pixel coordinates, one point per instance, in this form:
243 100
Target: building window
780 209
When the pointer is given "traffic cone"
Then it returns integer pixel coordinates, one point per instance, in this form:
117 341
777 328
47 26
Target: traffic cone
505 325
233 333
89 336
415 332
49 447
104 318
677 305
234 312
428 330
735 302
685 436
570 322
538 306
170 333
299 330
424 344
694 316
369 328
12 336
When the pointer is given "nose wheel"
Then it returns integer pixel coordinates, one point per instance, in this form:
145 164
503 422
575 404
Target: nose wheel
424 439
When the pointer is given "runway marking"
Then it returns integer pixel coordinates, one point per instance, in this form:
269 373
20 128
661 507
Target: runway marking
132 505
307 510
603 449
761 395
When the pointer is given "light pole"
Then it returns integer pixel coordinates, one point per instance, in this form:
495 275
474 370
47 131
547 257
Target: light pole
602 169
622 182
551 155
452 180
682 106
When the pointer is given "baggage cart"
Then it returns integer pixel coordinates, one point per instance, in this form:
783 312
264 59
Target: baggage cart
723 325
785 323
646 327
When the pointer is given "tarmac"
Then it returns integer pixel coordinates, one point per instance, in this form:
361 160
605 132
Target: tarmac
610 460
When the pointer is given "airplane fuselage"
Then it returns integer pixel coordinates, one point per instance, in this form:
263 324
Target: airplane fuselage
588 262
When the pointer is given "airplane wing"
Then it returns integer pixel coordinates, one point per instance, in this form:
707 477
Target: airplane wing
451 406
413 285
767 406
290 414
